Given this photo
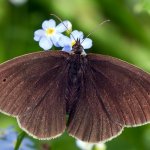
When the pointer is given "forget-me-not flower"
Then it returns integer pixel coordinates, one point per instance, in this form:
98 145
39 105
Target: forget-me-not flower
50 33
8 139
67 42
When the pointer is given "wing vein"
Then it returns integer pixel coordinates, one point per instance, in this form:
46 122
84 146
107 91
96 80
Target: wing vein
100 98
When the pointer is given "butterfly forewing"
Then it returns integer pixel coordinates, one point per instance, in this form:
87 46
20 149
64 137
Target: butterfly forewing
31 88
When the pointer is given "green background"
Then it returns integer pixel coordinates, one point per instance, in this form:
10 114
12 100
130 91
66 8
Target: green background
126 36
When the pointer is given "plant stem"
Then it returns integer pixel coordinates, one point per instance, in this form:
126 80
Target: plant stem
19 140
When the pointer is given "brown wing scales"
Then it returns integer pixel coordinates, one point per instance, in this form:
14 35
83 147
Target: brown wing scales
102 98
89 120
32 91
114 95
130 85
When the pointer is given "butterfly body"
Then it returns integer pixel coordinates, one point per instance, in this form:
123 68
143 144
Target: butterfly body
76 64
100 94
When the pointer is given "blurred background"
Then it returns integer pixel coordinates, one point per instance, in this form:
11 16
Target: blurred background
126 36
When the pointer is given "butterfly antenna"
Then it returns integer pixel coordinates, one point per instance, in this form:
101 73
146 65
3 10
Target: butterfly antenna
62 23
95 29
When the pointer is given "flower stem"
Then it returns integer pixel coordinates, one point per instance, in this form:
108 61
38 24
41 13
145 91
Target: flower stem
19 140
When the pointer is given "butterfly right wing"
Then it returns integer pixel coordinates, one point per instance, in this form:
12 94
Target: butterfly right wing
127 89
114 94
88 119
31 88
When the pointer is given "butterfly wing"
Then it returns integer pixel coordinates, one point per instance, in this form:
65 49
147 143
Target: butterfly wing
88 118
128 88
114 94
31 88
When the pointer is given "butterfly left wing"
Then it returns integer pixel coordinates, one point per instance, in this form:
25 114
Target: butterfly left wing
31 89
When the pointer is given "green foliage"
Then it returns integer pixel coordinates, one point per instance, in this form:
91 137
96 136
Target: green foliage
127 37
143 5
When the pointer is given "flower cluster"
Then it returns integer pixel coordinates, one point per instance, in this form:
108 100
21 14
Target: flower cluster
8 139
52 35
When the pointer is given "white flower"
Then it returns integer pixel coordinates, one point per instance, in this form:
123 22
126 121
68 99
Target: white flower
50 33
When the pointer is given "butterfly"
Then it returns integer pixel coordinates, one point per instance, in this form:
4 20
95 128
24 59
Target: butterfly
100 94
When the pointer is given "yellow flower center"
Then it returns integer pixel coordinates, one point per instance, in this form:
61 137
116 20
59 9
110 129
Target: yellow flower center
50 31
73 42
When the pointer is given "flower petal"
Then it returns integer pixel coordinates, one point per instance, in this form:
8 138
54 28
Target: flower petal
76 35
84 145
87 43
38 34
67 48
27 142
48 24
55 39
6 145
65 25
64 40
11 136
45 43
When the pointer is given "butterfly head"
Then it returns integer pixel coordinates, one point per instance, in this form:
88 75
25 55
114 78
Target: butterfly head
77 48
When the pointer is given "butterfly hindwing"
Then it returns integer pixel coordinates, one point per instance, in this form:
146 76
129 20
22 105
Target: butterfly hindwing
31 89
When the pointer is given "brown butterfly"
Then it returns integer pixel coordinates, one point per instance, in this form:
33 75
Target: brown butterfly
100 94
